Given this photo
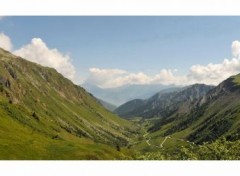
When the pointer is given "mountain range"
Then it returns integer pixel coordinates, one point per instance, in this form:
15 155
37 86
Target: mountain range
120 95
198 113
165 103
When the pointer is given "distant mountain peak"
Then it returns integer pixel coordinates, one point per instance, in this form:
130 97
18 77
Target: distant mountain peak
122 94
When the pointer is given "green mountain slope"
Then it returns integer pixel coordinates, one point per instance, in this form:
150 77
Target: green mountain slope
215 115
221 113
45 116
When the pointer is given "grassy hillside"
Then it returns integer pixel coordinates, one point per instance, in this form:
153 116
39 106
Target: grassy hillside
45 114
215 115
209 129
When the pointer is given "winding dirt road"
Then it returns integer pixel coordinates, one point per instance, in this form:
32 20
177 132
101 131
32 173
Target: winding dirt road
165 139
161 145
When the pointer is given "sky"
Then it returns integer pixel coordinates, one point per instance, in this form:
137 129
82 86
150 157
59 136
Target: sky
118 50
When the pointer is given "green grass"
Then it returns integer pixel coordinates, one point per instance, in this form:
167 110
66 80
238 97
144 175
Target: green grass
45 116
20 142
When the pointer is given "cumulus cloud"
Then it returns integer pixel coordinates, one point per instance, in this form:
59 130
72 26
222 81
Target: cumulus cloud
5 42
104 77
209 74
168 77
236 49
108 78
215 73
37 51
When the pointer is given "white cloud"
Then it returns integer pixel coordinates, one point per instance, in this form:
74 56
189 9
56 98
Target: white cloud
103 77
215 73
5 42
168 76
107 78
236 49
37 51
209 74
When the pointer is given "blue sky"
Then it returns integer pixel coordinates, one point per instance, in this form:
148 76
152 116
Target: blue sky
134 44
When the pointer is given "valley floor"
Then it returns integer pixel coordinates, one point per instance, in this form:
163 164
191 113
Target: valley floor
153 147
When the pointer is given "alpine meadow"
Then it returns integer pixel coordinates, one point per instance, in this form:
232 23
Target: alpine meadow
119 88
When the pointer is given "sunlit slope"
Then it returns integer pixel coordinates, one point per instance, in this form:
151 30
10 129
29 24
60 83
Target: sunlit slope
214 115
43 112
